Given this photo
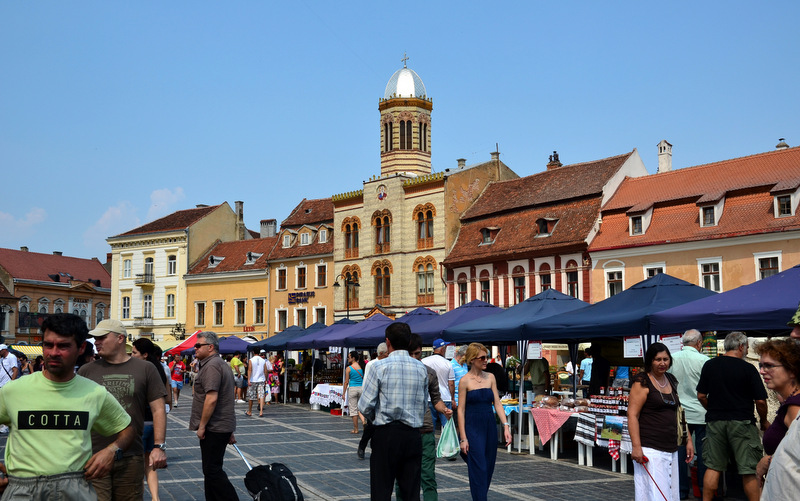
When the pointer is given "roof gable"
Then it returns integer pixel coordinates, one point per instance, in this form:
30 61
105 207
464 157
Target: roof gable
310 212
179 220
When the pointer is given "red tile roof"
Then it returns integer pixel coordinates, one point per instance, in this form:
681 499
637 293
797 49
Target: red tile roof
297 251
235 254
175 221
567 182
310 212
745 213
763 169
36 266
517 236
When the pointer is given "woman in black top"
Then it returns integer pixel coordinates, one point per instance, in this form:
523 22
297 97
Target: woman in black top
653 424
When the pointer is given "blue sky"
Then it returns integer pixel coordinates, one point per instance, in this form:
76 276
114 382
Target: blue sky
113 114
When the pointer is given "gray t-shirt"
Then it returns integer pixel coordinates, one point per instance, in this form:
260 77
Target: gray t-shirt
214 375
134 383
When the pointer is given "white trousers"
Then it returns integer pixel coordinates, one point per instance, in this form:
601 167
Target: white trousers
663 466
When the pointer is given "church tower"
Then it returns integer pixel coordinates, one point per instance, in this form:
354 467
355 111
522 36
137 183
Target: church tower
405 125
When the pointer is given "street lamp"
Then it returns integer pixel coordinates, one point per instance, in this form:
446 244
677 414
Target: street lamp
348 283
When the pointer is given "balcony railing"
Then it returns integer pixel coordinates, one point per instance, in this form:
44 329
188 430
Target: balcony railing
351 253
352 303
142 321
425 243
424 299
383 300
382 248
144 279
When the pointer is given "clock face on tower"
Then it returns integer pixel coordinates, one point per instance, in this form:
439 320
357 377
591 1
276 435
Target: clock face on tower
382 193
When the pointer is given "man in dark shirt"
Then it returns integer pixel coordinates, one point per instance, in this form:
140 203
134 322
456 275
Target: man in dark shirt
601 369
213 415
728 387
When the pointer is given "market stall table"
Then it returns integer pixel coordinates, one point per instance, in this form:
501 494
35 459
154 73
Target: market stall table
324 394
587 434
548 423
514 409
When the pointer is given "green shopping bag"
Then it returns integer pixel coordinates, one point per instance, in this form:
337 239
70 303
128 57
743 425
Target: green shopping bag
448 443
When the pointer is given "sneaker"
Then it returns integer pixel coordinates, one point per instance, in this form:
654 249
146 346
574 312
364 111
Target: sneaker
360 453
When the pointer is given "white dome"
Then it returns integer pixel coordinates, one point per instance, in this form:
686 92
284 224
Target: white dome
405 83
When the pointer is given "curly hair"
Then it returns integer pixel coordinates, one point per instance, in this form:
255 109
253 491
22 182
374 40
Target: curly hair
785 351
473 350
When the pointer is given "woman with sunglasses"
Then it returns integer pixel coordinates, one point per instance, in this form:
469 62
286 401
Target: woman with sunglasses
653 426
779 364
477 393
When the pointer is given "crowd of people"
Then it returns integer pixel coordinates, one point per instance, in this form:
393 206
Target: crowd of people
101 412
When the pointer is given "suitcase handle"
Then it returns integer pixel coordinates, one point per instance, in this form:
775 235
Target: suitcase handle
242 456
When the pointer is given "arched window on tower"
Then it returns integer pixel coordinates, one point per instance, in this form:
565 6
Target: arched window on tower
423 216
382 220
383 286
423 137
351 240
405 134
387 136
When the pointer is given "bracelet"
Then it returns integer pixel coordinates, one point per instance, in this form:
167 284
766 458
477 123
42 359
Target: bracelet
506 424
462 440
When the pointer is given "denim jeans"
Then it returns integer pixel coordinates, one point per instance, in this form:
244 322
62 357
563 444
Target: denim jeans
698 432
437 416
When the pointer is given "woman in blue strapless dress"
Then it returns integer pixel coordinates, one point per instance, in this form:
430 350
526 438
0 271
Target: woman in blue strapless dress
477 393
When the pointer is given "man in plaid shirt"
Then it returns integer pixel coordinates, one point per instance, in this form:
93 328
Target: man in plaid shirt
394 399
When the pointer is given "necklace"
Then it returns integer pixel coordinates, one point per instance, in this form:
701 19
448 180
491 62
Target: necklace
666 381
479 378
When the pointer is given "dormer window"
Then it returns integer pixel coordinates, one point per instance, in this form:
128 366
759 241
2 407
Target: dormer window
636 225
287 240
213 261
488 235
304 239
252 257
783 205
323 236
709 218
545 226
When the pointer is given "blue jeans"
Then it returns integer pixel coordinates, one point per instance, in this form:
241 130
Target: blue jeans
437 416
699 436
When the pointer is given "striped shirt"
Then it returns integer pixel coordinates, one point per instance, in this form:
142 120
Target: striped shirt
395 390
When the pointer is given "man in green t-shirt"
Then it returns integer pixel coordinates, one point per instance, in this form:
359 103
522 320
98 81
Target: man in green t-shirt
56 411
239 371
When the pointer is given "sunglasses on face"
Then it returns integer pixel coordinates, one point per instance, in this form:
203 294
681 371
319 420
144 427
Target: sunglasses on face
200 345
482 359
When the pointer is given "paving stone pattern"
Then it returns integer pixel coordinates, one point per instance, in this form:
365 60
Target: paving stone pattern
321 452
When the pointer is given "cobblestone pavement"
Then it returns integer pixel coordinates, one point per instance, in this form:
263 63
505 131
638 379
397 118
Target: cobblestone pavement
321 452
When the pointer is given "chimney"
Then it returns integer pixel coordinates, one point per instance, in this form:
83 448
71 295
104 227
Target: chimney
782 145
58 253
108 257
462 162
495 155
664 156
240 229
24 248
554 162
269 228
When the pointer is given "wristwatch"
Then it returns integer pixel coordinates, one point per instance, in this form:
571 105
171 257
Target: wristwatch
163 446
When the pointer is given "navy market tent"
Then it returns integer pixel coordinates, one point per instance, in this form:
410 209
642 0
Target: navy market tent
508 326
763 306
624 314
432 329
278 341
307 339
227 346
368 333
377 333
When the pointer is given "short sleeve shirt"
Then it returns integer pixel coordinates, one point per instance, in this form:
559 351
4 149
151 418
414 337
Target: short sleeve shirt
134 383
732 386
214 375
7 364
586 367
51 423
445 373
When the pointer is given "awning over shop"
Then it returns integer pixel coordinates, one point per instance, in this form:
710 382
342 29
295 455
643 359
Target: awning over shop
29 350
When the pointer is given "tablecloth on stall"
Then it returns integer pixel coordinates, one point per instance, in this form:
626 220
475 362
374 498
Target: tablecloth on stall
515 408
588 432
548 421
325 394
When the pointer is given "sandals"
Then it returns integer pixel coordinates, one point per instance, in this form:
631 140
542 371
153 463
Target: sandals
248 413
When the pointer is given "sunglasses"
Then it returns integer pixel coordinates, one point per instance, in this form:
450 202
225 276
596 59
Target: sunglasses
482 359
200 345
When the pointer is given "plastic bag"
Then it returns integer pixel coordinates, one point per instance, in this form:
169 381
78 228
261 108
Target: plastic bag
448 442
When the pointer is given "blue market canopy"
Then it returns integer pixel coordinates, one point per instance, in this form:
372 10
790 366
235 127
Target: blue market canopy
508 326
624 314
279 340
368 334
432 329
763 306
227 346
307 339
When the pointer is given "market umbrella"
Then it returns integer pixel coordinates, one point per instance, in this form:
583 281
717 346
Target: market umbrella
227 346
432 328
367 333
763 306
279 340
508 326
307 339
185 345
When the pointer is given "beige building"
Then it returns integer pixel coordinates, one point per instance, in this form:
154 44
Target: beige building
148 265
395 230
719 225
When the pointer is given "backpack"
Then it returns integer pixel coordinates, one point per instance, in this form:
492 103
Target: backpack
272 482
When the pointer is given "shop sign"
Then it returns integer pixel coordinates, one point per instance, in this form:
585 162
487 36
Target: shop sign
300 297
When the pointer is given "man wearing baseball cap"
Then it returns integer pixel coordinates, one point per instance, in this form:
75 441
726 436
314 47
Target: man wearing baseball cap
447 379
135 384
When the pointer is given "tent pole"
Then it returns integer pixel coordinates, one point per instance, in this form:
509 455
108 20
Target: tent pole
285 376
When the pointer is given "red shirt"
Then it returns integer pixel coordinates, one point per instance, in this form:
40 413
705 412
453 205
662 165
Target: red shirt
177 368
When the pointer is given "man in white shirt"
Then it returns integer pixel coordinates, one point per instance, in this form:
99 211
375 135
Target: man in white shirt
257 378
9 372
447 378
